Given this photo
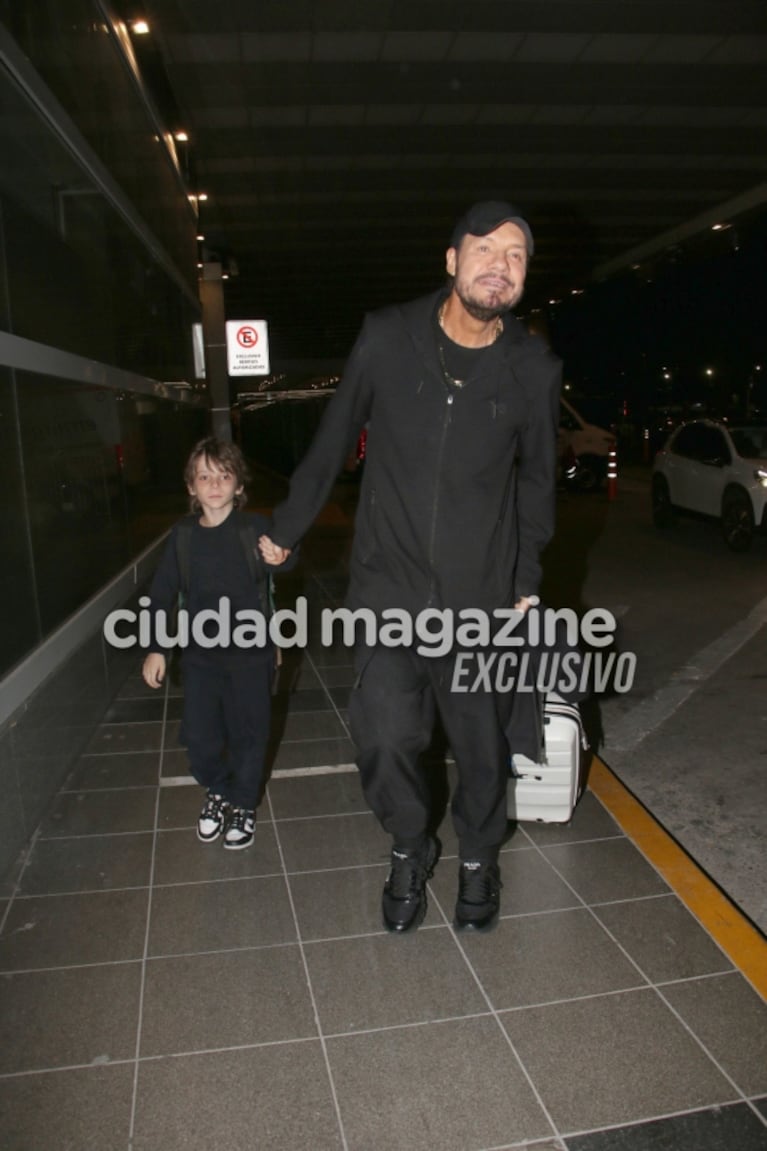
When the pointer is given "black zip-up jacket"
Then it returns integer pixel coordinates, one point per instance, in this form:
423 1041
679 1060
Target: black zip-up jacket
457 497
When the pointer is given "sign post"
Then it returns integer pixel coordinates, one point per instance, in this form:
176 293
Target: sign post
247 347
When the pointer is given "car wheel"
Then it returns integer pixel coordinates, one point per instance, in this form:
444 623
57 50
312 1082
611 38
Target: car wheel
590 473
662 508
737 521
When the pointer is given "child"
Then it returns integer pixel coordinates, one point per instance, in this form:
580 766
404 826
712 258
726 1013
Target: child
227 688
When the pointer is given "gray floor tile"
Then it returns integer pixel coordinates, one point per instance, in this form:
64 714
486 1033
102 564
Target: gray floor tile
613 1059
305 795
301 725
337 655
121 737
200 1002
313 753
310 699
80 1015
147 710
171 735
180 857
333 841
450 1086
523 961
529 884
733 1128
101 812
219 916
134 687
418 977
589 821
276 1098
608 870
330 904
63 930
175 762
340 697
91 863
132 769
303 679
180 806
340 676
83 1110
731 1020
663 937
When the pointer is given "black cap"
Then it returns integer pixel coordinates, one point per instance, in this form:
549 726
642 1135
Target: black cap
483 218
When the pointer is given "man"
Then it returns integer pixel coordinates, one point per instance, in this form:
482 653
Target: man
456 503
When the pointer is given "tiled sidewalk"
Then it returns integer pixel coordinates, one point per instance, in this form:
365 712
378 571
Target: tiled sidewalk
158 993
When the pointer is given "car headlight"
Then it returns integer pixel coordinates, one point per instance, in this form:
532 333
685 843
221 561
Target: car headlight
761 475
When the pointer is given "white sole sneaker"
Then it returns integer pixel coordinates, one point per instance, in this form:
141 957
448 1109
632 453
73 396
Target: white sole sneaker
241 830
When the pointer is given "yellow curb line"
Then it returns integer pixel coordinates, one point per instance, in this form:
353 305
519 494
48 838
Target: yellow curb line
737 937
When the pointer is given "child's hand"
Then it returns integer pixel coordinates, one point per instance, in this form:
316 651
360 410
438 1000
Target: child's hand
153 670
272 553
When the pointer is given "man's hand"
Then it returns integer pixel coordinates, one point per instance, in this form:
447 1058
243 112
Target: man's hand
526 601
153 670
272 553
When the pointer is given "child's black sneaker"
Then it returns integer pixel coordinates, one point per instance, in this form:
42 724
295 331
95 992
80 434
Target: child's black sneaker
241 829
212 818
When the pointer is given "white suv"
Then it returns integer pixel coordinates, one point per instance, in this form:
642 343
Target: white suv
588 443
709 468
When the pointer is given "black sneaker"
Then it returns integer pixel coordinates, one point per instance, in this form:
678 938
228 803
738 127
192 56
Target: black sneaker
479 896
241 829
404 894
212 817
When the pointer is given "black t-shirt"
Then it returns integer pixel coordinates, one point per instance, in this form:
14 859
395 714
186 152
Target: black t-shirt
218 568
460 365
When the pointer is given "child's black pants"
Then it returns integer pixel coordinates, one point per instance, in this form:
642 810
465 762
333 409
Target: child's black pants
225 726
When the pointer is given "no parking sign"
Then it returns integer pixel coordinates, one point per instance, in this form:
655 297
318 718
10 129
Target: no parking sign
247 348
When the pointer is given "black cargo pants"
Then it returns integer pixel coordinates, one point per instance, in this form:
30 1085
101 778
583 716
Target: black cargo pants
392 712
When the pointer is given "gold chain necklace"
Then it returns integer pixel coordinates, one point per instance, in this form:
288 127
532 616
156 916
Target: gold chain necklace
441 351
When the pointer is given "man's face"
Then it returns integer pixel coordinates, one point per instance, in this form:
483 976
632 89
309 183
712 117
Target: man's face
489 271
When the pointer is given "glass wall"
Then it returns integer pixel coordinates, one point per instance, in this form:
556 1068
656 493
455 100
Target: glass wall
77 55
98 402
79 278
102 478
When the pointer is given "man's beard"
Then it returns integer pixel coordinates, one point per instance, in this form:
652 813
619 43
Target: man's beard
485 312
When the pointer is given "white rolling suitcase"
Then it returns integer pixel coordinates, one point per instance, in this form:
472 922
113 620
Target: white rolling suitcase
547 792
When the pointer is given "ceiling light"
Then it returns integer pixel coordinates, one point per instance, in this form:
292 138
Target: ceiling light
182 137
140 28
200 239
202 196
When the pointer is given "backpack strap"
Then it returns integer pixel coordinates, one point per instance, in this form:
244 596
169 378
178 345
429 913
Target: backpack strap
184 553
250 545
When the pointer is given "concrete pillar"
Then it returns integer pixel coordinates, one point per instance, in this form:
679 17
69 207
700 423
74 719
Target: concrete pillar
214 340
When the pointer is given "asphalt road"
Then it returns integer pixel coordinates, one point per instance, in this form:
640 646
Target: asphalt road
690 737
